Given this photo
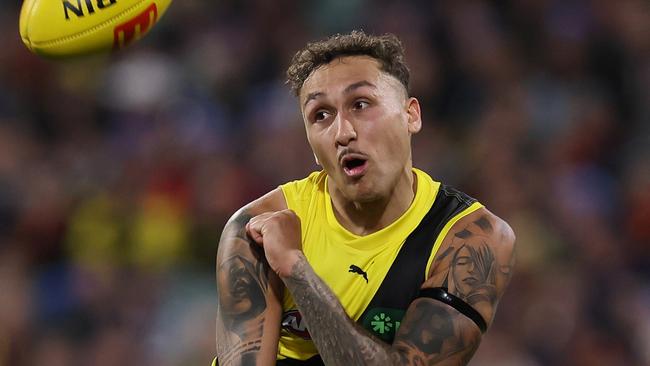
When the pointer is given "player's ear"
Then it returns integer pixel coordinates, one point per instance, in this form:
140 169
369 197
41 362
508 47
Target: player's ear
414 115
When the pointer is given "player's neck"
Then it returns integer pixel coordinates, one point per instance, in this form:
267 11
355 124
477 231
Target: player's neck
363 218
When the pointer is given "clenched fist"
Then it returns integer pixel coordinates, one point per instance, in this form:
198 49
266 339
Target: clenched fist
280 235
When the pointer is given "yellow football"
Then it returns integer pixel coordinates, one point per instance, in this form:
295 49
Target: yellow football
62 28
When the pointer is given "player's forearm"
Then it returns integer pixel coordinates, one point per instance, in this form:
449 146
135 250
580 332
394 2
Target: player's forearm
340 341
437 335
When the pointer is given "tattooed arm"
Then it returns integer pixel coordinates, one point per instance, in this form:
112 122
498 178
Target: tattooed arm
475 265
248 310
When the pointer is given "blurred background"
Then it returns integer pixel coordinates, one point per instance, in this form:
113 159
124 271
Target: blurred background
118 173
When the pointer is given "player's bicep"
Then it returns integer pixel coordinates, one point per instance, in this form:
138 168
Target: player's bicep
458 301
248 310
476 262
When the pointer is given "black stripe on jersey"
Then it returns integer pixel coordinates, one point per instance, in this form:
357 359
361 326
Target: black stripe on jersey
405 276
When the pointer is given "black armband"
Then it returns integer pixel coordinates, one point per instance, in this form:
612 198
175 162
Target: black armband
441 294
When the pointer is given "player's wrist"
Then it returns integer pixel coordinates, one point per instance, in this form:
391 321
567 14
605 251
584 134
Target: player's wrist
291 261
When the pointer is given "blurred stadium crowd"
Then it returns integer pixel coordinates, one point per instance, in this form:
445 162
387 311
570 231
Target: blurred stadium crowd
118 173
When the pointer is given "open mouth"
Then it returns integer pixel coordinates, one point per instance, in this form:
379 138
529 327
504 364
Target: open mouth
354 166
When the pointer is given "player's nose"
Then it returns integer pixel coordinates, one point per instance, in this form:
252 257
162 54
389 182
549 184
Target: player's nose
345 130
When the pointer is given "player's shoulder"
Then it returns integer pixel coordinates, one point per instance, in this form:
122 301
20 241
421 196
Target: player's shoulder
495 231
480 231
490 224
270 202
278 199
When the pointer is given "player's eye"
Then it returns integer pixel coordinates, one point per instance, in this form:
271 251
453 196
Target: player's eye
360 104
321 115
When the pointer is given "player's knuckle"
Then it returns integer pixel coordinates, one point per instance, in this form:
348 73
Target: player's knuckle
290 214
283 215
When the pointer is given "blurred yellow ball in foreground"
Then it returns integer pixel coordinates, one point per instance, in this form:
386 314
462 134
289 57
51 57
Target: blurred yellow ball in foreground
66 28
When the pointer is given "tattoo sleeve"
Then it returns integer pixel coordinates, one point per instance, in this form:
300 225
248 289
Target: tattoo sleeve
339 340
436 334
246 300
475 264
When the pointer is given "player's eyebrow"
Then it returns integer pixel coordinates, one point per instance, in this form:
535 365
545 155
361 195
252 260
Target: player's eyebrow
312 96
350 88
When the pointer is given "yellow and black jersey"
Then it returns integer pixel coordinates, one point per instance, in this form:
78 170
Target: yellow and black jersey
375 276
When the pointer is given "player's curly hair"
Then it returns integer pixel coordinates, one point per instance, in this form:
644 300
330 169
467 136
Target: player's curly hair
387 49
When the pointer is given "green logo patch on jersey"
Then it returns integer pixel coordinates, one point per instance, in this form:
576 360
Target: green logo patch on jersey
383 322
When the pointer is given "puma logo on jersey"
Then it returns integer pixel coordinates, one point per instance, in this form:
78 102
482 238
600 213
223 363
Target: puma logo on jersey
359 271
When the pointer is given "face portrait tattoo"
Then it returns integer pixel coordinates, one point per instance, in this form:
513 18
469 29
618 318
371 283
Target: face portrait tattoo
242 295
463 272
471 272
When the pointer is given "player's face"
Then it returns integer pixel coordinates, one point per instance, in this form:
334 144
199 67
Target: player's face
359 123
